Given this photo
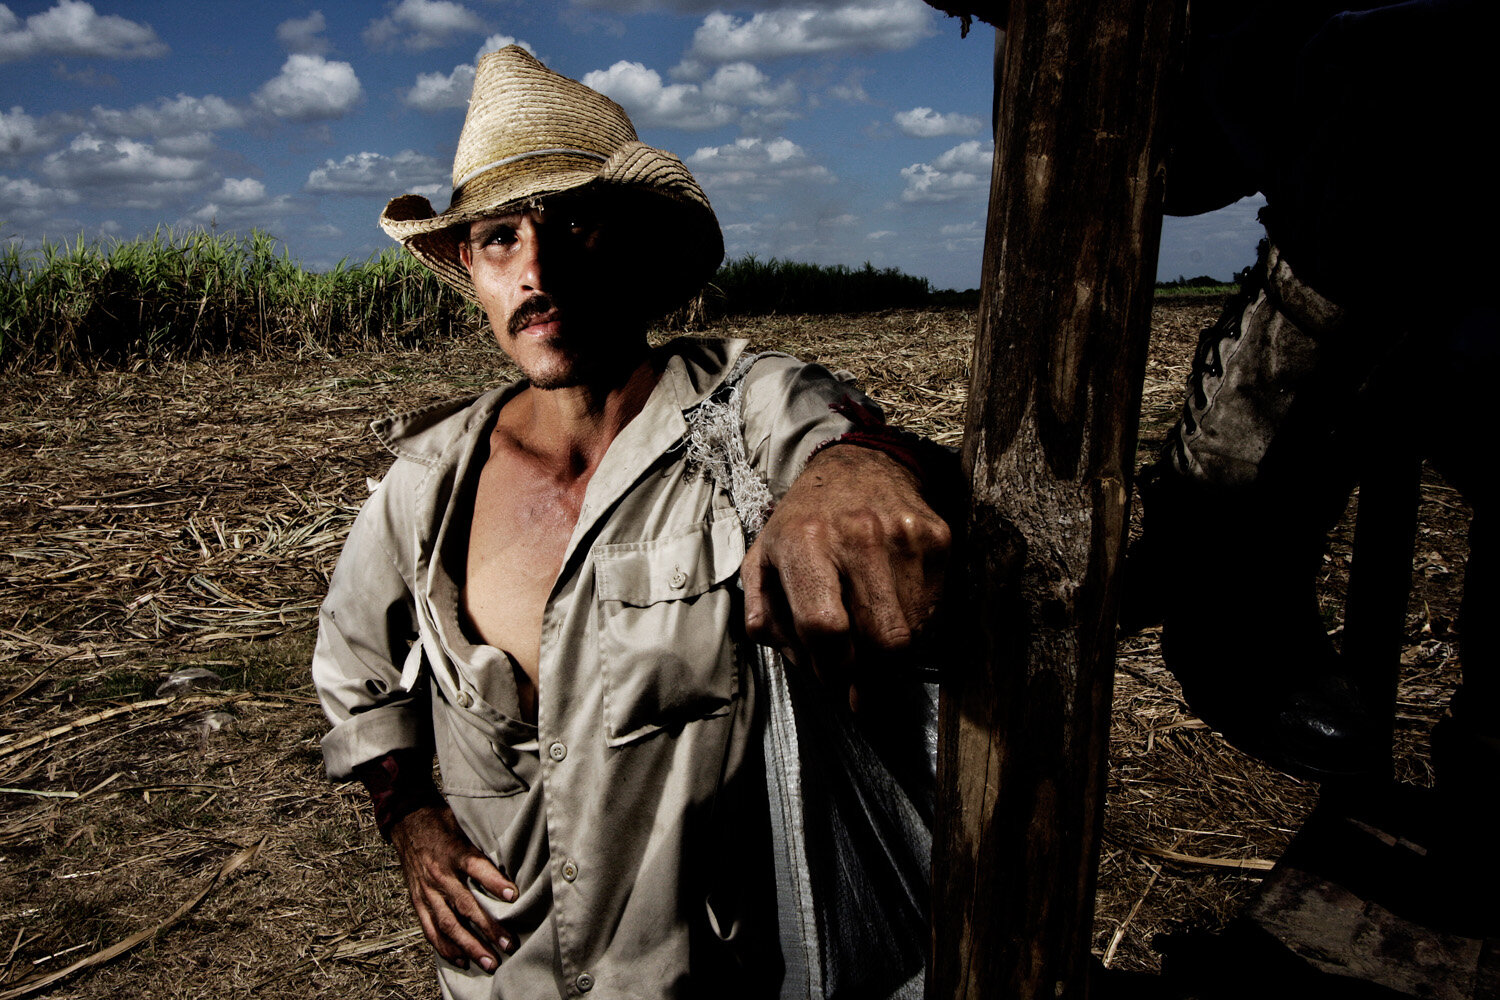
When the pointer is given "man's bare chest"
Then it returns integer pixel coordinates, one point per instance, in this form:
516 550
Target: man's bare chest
522 521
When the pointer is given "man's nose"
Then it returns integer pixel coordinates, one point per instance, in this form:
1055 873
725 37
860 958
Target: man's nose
534 254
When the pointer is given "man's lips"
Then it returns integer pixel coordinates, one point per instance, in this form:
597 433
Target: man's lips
537 316
547 322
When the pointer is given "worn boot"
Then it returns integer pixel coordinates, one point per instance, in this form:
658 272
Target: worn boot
1250 481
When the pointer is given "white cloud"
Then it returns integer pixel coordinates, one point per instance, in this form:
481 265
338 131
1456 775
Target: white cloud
199 144
128 172
385 176
242 191
923 183
24 200
970 156
309 88
963 237
86 76
767 121
495 43
241 202
716 102
89 159
650 103
74 28
743 231
741 83
647 6
961 172
751 169
435 91
170 116
422 24
863 25
852 90
304 34
227 211
924 123
21 134
806 234
1218 243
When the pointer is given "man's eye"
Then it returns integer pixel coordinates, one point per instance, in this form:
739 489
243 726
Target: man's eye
502 236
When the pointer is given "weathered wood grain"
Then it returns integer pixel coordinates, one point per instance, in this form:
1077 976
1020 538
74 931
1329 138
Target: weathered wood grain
1049 444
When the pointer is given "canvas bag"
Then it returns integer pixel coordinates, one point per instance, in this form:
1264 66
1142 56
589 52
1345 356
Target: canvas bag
850 796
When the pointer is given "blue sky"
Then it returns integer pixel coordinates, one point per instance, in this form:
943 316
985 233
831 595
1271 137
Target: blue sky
829 131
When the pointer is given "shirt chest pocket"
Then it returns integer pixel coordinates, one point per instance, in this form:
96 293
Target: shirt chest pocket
665 610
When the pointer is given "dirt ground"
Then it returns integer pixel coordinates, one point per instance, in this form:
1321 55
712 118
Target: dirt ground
188 515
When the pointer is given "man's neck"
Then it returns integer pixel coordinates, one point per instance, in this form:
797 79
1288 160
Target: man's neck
570 428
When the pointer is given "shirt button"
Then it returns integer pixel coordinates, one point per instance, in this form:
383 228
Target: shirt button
585 982
557 751
465 699
678 580
569 871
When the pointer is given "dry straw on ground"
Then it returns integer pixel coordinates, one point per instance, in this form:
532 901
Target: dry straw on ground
189 515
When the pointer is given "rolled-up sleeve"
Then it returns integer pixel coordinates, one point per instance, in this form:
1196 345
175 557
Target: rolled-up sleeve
366 632
788 411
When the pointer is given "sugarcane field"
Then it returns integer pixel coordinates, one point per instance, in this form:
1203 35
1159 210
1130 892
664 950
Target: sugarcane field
169 525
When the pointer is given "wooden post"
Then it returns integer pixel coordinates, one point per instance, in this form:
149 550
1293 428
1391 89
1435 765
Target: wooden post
1049 446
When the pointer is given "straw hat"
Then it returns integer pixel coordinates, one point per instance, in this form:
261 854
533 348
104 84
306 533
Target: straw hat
530 133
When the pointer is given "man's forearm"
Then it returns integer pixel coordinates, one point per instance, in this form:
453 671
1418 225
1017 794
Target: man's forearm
936 468
399 783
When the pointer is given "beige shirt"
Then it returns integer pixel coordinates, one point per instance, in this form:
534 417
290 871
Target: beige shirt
632 815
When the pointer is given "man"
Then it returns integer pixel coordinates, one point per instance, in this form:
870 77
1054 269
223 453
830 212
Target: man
543 589
1365 332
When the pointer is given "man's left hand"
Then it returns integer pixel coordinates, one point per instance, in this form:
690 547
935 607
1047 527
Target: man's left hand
851 564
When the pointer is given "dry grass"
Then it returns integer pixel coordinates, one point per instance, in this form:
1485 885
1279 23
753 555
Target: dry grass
189 515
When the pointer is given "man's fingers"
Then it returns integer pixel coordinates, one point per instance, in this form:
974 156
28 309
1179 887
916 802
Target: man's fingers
480 925
768 620
477 919
458 928
881 618
895 586
814 596
850 564
437 922
458 933
438 862
489 878
440 944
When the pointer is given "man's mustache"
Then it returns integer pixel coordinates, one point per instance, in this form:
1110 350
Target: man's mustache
537 305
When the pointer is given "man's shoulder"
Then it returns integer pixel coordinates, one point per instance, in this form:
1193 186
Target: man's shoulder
706 363
700 364
426 434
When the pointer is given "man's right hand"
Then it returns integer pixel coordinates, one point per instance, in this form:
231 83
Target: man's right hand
437 859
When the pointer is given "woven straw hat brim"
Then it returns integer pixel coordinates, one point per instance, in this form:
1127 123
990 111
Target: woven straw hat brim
531 133
698 245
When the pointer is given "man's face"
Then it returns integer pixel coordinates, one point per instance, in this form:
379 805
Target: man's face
549 279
